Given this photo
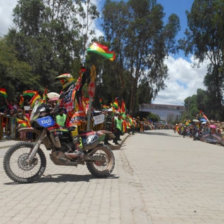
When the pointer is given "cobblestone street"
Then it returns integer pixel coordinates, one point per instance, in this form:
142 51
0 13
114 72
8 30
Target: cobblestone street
159 178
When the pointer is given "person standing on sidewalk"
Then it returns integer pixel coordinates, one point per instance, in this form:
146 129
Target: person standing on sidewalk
118 128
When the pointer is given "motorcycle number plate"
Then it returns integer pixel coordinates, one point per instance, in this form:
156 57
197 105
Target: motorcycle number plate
46 121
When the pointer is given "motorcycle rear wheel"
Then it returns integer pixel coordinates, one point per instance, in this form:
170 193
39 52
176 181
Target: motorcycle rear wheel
16 166
105 165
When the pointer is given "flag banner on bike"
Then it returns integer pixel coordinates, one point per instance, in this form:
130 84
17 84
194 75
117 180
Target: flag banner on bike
22 123
102 50
30 93
3 92
34 99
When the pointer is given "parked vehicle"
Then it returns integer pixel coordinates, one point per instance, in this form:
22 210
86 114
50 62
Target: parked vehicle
26 162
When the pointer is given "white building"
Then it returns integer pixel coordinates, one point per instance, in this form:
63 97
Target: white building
165 112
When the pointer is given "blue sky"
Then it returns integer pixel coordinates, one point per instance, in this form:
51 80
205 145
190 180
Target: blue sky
178 7
183 78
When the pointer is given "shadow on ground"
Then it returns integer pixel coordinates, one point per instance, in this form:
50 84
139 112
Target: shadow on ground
62 178
158 133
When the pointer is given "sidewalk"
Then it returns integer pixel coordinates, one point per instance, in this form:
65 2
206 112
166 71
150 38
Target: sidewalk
7 143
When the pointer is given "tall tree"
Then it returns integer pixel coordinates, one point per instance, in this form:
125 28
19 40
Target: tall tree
14 74
142 41
48 35
204 39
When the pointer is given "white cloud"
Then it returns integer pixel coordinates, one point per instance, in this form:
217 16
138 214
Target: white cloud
6 10
183 80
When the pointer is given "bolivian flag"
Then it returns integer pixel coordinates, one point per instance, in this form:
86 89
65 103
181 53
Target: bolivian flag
123 107
30 93
3 92
115 104
102 50
22 123
34 99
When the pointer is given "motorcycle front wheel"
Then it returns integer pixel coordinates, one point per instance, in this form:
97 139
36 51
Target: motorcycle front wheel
103 163
16 166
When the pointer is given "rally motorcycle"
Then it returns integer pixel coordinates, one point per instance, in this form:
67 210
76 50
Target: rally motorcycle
25 162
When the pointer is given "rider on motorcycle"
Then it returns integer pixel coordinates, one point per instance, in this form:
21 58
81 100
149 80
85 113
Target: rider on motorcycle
71 92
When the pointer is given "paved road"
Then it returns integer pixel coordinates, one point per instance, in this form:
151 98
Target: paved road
159 178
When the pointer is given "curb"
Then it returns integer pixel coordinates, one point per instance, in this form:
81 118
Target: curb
118 147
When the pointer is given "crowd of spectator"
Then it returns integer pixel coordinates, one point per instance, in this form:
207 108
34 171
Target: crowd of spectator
206 131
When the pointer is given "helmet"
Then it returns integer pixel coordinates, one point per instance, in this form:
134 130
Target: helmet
66 79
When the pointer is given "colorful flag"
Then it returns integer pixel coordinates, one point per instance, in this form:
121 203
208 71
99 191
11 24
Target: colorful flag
3 92
91 89
102 50
22 123
105 107
21 101
45 95
115 104
27 119
30 93
201 113
34 99
123 107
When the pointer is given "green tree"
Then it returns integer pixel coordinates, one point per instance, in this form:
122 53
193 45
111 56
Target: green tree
47 35
204 39
191 108
136 32
202 101
14 74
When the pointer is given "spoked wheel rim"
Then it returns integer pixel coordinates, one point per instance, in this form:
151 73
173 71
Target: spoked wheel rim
103 160
19 166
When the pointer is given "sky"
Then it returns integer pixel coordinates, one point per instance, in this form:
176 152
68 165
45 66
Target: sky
183 77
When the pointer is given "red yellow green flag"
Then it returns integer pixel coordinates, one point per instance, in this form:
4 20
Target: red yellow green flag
30 93
45 95
105 106
34 99
115 104
102 50
3 92
21 101
123 107
22 123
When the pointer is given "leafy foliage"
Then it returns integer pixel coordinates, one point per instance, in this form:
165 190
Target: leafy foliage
136 32
15 74
204 39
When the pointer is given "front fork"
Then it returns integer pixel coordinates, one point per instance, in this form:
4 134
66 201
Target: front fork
36 146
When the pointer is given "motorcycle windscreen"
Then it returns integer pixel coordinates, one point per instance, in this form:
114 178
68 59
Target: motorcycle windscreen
46 122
